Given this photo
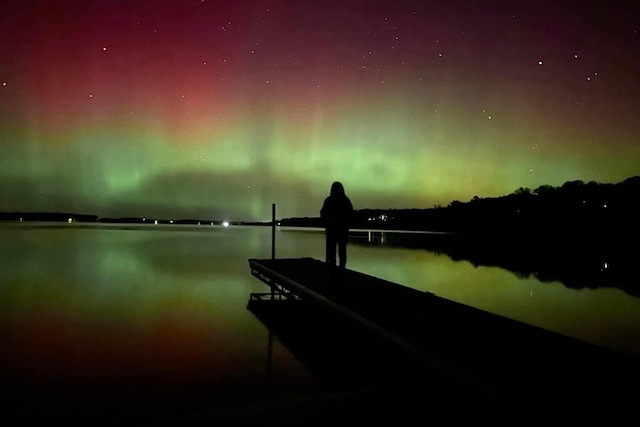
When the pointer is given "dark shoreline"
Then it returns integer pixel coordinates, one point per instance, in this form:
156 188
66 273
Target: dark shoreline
595 259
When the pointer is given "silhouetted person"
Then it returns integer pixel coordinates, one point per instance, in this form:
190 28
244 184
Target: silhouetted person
336 215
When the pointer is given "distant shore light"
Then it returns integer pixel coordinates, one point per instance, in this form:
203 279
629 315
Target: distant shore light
225 223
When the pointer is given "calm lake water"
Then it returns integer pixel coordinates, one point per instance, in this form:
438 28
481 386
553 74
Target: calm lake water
160 311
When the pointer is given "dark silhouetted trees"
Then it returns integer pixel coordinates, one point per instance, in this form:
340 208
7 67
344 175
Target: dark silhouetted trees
573 207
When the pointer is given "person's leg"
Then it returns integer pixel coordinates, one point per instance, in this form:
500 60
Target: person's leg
342 248
330 247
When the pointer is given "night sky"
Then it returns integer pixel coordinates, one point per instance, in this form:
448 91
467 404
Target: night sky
217 109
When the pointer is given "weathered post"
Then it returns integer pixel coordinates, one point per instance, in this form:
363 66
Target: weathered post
273 241
273 231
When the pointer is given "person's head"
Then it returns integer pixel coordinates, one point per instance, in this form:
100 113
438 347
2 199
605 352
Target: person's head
337 189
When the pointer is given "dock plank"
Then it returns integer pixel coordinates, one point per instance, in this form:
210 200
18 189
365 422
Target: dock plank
480 350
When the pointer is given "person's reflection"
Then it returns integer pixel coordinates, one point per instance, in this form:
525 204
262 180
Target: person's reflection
336 216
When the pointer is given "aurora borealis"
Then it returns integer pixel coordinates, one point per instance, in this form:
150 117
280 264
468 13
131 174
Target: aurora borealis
216 109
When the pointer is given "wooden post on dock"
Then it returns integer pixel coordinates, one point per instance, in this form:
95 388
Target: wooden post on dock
273 239
273 231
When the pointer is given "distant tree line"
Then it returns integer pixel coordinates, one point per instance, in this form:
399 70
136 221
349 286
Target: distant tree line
69 217
47 216
573 207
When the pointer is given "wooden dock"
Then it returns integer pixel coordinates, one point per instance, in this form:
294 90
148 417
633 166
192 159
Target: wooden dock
476 352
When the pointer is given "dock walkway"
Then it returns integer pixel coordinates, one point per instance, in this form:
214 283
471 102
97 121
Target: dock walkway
479 351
